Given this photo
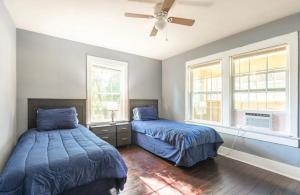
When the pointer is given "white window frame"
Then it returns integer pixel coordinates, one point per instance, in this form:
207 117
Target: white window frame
266 80
189 67
107 63
291 139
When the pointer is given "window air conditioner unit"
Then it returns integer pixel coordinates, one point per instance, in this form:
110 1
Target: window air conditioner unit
258 120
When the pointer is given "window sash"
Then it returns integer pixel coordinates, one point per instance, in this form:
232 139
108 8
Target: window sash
208 106
101 93
122 67
207 90
266 73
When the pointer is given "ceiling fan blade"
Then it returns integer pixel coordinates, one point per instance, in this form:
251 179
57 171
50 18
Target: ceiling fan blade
196 3
182 2
134 15
182 21
167 4
146 1
153 32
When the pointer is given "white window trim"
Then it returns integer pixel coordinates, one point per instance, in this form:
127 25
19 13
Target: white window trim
292 139
103 62
189 66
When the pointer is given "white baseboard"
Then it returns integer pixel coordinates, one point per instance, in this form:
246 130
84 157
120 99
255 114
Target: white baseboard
263 163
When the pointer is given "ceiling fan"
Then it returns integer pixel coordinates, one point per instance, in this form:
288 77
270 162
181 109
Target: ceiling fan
161 11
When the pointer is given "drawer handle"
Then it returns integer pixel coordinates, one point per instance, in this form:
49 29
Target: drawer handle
105 130
124 128
105 137
124 139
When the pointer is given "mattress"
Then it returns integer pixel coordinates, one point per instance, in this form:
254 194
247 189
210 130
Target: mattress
51 162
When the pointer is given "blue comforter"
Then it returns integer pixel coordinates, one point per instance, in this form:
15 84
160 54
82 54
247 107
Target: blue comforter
180 135
50 162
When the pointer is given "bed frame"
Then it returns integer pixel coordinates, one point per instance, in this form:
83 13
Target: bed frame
36 103
133 103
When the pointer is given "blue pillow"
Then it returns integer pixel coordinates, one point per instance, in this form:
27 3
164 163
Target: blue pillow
62 118
145 113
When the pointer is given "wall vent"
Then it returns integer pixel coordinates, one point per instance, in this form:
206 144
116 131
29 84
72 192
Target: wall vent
258 120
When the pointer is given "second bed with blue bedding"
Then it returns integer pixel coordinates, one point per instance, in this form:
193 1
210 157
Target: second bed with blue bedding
184 144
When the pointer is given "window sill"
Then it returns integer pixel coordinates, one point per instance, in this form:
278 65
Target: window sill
277 138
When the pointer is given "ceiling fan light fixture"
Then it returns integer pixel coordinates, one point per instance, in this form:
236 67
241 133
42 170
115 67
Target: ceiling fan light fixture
160 24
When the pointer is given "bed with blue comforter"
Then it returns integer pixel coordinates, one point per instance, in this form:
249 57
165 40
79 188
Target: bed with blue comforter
184 144
52 162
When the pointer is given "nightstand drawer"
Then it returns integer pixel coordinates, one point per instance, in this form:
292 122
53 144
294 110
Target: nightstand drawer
124 128
110 138
104 130
124 138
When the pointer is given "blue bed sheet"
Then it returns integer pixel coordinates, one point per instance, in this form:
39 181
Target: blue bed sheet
51 162
180 135
181 143
186 158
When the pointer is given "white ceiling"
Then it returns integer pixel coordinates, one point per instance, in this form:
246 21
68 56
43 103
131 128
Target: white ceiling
102 22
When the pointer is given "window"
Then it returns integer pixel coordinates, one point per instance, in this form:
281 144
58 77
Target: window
259 84
260 78
205 91
107 87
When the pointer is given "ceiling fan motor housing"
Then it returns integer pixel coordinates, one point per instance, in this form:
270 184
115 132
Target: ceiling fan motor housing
161 23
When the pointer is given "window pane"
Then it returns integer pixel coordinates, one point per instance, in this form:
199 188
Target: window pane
237 83
236 66
276 80
258 81
277 60
241 101
202 72
258 63
244 83
207 107
199 107
99 110
214 104
196 85
107 80
209 84
214 84
105 89
244 65
276 101
215 70
207 81
200 85
207 71
257 101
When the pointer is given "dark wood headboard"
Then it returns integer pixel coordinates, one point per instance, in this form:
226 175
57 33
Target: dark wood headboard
133 103
34 104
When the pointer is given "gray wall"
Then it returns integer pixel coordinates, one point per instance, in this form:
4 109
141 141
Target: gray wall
7 84
173 84
49 67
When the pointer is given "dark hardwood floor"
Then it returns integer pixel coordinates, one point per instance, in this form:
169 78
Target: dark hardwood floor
149 174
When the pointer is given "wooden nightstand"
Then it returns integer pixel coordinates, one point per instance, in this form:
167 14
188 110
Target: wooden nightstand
116 134
106 132
123 134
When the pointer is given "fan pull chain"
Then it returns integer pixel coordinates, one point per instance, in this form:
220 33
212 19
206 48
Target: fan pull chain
167 34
